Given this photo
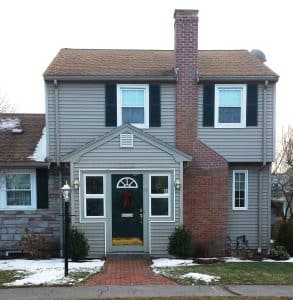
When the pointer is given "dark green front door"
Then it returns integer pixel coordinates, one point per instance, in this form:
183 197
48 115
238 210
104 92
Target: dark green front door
127 209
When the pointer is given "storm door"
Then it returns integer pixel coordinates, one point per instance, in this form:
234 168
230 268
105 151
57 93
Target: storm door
127 210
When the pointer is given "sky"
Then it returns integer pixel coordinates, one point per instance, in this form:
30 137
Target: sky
33 31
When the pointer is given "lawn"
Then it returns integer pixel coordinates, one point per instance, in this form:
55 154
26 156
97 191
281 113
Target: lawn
8 276
234 273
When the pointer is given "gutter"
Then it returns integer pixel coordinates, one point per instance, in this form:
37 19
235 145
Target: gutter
41 164
260 171
238 78
121 78
56 94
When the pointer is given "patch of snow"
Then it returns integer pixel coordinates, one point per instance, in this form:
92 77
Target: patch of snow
167 262
47 271
40 150
202 277
237 260
290 260
9 123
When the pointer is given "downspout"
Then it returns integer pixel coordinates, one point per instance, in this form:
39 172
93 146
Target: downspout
264 163
181 193
57 122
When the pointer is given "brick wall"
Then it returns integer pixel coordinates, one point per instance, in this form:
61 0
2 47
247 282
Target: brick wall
206 176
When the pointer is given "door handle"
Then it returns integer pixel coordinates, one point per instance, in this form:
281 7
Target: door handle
140 218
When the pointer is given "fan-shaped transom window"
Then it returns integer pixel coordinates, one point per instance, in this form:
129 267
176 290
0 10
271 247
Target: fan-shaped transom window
127 183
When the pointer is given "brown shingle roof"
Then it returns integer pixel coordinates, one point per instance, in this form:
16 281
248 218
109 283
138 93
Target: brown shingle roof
107 63
17 147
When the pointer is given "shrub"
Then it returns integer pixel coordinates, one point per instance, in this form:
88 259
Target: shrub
285 236
180 244
34 245
78 245
279 253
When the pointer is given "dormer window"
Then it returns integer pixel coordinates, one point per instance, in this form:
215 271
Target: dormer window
133 105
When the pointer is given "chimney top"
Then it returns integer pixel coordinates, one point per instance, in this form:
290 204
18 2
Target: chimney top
185 13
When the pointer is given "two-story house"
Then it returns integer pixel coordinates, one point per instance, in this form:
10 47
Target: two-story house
151 139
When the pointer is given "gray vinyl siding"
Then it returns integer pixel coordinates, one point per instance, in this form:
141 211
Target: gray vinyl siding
144 159
245 222
241 144
82 115
95 233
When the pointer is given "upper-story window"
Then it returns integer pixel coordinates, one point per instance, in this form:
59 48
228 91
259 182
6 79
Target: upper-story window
230 105
133 105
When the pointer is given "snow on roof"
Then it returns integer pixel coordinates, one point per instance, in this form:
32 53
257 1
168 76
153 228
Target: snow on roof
9 123
40 150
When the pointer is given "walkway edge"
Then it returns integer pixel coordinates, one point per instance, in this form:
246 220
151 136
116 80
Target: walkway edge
128 292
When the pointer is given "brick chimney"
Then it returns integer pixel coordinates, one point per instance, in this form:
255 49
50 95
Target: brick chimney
205 190
186 36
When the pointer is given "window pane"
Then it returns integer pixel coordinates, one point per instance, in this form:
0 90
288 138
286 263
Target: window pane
132 115
18 198
18 181
229 98
229 114
159 184
94 207
133 97
159 206
94 185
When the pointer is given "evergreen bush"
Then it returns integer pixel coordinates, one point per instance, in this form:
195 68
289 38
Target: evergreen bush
79 246
279 253
285 236
180 244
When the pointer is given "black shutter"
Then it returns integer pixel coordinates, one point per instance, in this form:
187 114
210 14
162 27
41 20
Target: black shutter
155 105
208 104
42 188
251 105
111 105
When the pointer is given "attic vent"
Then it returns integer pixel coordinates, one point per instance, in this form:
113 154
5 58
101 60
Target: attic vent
126 140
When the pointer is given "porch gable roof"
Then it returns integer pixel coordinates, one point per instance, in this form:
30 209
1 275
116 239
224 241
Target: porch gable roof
76 154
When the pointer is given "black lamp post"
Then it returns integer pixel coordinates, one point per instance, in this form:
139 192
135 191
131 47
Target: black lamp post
66 196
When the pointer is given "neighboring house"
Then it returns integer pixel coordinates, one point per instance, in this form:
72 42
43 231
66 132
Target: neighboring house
24 199
151 139
282 189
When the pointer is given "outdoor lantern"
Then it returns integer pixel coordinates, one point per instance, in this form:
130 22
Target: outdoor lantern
177 184
76 184
65 191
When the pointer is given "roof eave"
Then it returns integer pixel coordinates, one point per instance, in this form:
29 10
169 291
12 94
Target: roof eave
24 163
238 78
165 78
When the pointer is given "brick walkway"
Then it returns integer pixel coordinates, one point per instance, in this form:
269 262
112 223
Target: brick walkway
127 272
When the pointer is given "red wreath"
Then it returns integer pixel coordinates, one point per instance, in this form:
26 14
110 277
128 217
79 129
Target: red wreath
126 199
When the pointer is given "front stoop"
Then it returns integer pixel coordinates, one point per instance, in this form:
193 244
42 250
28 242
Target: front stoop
127 271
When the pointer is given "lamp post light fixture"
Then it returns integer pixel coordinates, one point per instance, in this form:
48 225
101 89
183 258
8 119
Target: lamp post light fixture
177 184
76 184
66 196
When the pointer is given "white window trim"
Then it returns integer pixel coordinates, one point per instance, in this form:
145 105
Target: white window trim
242 124
146 103
3 195
94 196
245 191
166 195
